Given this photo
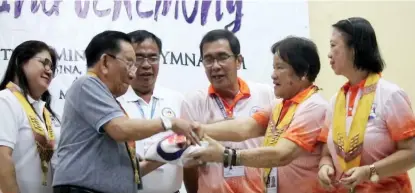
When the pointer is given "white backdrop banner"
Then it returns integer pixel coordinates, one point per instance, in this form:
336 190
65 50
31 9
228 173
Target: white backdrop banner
69 25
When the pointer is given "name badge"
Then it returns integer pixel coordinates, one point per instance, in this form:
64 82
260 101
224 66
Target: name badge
235 171
272 184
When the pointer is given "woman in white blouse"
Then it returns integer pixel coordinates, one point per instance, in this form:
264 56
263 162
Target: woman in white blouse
27 134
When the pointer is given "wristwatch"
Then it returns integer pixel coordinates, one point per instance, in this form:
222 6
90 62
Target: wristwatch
374 177
166 123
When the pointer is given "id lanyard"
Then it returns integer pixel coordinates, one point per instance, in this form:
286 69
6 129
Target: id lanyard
221 107
153 108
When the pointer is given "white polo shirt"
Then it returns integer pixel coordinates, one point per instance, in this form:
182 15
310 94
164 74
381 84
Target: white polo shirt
167 178
17 134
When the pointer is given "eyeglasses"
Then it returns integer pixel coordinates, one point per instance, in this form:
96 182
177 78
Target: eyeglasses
152 60
47 64
208 61
131 66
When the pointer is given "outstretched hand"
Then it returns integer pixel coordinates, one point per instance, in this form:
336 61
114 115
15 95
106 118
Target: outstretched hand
212 153
183 127
198 129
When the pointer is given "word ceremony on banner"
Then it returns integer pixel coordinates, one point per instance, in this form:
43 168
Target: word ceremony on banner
69 25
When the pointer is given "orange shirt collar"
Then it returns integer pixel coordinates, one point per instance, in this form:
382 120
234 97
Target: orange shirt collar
346 87
243 88
301 95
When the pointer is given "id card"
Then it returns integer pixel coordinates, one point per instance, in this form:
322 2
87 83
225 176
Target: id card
235 171
272 184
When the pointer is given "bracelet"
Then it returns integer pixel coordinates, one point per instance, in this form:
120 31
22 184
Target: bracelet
374 176
225 157
230 158
233 160
238 158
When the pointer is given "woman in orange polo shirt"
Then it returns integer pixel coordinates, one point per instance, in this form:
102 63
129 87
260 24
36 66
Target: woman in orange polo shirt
371 127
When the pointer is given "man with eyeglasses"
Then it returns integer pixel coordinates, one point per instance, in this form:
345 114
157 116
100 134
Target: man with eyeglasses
96 152
226 98
146 100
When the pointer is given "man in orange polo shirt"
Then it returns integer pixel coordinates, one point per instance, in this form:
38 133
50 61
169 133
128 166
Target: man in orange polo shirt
226 98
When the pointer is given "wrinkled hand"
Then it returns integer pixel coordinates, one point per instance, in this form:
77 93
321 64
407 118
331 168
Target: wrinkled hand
212 153
183 127
198 129
355 176
325 174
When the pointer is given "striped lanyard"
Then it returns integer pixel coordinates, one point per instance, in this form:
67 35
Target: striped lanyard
221 107
153 108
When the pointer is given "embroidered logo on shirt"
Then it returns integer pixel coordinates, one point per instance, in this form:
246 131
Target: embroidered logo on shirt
168 112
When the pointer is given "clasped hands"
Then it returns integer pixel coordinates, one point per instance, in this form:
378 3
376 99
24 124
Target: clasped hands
350 179
194 133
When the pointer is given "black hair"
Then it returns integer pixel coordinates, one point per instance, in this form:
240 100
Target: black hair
140 36
20 56
219 34
359 34
104 42
301 54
